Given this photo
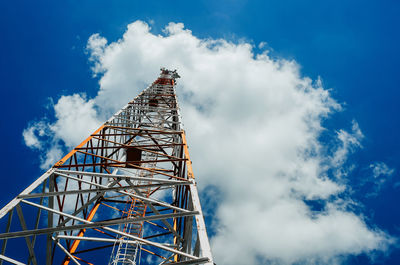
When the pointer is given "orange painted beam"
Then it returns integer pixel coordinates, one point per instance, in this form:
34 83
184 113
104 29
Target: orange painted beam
81 233
187 156
65 158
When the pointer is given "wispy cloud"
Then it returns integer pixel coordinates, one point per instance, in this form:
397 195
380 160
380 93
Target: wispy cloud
347 143
380 169
381 175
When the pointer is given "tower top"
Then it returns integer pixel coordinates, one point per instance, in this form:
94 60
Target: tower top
166 73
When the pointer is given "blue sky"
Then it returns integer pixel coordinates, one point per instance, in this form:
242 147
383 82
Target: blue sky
351 45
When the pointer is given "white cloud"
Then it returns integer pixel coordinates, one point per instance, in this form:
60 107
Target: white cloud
262 45
253 125
52 155
96 45
286 233
381 174
380 169
76 117
348 142
30 135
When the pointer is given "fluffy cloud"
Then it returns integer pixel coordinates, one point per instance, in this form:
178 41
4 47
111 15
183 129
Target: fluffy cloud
32 133
253 126
76 118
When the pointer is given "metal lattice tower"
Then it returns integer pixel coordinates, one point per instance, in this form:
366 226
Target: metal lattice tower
125 195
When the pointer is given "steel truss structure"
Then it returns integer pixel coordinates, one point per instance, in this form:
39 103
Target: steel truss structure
125 195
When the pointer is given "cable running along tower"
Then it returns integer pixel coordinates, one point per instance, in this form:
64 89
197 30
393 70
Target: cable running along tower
125 195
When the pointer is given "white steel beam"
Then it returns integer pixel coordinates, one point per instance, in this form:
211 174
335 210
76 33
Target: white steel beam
201 226
141 240
128 193
28 190
66 251
103 175
92 225
13 261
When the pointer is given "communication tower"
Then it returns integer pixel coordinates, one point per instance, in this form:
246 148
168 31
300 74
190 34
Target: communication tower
125 195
